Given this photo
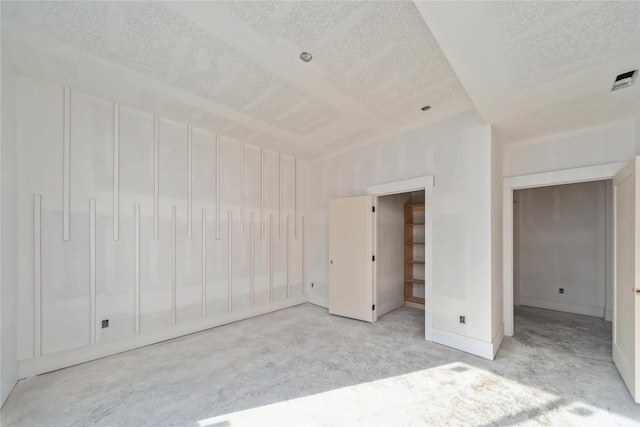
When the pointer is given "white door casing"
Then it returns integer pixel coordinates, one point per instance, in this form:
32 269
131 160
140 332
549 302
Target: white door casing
350 258
626 290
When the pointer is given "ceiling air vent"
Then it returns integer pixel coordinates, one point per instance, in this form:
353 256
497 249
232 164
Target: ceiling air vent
624 80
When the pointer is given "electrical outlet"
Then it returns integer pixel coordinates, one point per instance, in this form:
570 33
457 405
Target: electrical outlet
561 291
462 320
105 323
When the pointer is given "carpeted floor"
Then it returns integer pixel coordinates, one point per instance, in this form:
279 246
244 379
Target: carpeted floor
300 366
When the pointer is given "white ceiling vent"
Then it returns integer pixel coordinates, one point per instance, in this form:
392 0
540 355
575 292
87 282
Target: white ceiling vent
624 80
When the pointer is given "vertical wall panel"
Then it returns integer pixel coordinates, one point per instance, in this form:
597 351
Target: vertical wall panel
293 242
262 192
137 199
156 177
270 257
280 218
295 195
116 170
95 129
203 148
136 257
66 162
272 204
242 217
39 128
218 187
136 236
252 184
252 256
37 276
204 263
230 259
173 264
231 160
92 269
189 182
188 247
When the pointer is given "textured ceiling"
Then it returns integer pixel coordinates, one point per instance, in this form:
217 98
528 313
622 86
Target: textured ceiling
529 68
233 67
541 67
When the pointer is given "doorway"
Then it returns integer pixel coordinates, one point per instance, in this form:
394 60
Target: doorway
400 264
562 248
424 184
512 184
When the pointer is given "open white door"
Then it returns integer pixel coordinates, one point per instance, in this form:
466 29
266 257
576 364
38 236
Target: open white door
626 290
351 258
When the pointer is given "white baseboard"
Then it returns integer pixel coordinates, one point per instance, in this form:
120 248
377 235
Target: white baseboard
497 340
52 362
569 307
318 300
469 345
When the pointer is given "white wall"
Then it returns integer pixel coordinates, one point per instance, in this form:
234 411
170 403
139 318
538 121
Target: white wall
390 252
562 244
458 151
497 330
609 143
8 236
241 182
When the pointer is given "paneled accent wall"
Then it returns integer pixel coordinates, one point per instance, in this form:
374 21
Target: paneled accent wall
145 222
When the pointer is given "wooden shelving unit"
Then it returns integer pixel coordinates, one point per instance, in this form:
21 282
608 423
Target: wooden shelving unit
414 233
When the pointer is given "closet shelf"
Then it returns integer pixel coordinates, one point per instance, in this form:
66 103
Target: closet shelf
414 244
416 300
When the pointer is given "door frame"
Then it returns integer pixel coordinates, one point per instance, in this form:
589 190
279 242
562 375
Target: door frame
544 179
405 186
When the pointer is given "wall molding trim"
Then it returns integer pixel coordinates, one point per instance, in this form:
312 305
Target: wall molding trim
486 350
64 359
569 307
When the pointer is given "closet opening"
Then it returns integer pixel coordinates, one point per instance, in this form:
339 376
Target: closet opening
562 248
400 251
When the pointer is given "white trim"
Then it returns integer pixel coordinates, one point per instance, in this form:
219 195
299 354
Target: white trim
189 185
217 187
252 261
204 263
173 264
295 196
230 259
136 263
242 191
415 184
404 186
566 176
51 362
92 269
116 171
66 164
37 275
156 177
469 345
